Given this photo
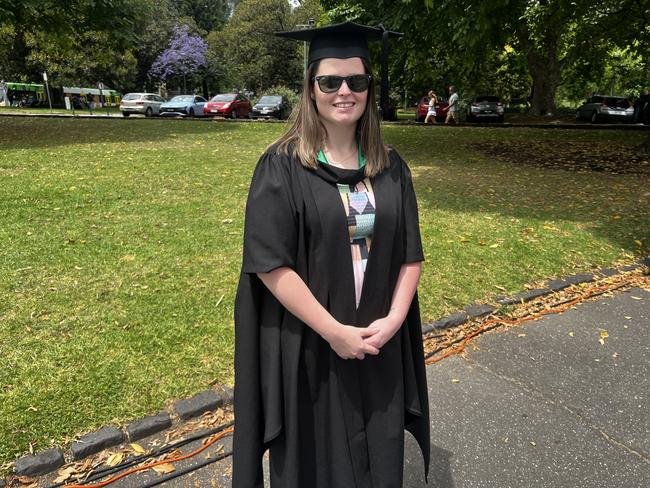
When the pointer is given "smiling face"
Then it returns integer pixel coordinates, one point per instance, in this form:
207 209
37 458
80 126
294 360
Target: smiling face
342 107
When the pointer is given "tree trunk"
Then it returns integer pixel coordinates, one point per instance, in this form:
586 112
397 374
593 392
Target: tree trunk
544 65
545 71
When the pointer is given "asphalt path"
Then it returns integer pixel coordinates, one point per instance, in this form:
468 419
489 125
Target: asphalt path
558 402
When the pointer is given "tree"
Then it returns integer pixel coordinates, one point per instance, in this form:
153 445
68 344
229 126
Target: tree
461 39
209 15
184 56
254 58
63 23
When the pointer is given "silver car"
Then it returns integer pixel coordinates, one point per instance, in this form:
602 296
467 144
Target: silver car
601 108
484 108
147 104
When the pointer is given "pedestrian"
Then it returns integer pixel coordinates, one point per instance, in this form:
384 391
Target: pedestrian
3 93
329 368
452 110
431 109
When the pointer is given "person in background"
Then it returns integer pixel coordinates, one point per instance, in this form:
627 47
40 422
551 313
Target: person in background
329 365
431 110
3 93
452 110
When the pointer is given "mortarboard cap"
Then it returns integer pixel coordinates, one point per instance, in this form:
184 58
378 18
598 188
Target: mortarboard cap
346 40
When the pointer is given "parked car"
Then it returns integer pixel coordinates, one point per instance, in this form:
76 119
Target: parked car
231 105
642 110
191 105
269 106
484 108
147 104
601 108
442 105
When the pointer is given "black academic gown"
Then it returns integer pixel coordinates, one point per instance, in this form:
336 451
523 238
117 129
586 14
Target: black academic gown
328 422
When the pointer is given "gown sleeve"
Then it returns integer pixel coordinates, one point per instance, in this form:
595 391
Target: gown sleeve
270 235
413 241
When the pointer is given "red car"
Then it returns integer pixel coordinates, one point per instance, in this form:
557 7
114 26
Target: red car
231 105
441 109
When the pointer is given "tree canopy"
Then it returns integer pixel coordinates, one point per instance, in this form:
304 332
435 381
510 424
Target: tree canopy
542 51
539 46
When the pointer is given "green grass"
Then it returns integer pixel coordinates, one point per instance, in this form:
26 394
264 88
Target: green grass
44 110
121 247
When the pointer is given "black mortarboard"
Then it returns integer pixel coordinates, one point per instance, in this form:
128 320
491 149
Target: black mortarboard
347 40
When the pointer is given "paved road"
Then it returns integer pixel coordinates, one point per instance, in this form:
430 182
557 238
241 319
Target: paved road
542 405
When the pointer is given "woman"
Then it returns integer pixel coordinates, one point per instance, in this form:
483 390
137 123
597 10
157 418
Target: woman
329 365
431 110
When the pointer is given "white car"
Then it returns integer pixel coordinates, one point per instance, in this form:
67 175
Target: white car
141 103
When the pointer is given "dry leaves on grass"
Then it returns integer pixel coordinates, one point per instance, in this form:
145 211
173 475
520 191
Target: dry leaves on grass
569 155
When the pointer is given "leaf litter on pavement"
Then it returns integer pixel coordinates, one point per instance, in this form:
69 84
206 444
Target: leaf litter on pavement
439 342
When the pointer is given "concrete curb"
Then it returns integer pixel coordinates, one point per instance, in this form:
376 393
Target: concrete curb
48 460
479 310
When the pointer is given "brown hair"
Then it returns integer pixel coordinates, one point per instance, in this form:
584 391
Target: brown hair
307 133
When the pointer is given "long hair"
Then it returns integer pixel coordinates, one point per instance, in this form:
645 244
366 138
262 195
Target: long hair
306 136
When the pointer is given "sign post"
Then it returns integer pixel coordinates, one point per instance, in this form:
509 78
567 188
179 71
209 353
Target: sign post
47 87
101 86
310 23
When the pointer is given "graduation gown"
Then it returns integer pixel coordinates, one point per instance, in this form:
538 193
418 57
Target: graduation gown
328 422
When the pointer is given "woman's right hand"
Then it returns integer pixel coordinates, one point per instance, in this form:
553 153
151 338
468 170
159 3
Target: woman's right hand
348 342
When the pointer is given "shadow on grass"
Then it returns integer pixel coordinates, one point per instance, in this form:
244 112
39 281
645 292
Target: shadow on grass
35 133
466 181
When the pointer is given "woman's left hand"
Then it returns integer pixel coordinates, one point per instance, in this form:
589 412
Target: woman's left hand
386 328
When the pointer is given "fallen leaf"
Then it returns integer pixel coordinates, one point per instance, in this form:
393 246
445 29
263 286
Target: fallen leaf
570 334
603 335
115 459
138 448
164 468
65 474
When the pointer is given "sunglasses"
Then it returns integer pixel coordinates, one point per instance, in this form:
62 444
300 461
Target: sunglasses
331 83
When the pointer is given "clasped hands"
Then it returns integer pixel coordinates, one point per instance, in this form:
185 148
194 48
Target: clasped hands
355 342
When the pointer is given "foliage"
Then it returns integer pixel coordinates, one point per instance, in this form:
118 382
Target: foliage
253 57
31 31
209 15
463 42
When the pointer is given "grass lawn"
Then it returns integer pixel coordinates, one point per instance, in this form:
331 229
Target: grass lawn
121 250
44 110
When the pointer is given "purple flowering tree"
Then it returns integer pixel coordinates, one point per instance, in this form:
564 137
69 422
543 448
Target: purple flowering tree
184 56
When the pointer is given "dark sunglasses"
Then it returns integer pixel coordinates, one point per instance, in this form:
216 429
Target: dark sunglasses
331 83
